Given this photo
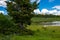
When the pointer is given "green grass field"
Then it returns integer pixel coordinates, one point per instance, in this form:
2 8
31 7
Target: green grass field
40 32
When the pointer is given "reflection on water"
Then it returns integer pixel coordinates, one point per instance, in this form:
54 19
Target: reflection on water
54 23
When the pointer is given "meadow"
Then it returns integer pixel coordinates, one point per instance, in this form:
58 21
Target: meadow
40 32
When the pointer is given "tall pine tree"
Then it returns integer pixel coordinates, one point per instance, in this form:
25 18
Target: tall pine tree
21 11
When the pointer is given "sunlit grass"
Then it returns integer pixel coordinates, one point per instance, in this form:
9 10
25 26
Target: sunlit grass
40 33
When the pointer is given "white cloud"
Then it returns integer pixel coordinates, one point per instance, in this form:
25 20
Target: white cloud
37 11
57 7
38 1
52 11
2 12
3 0
51 0
3 3
45 11
58 13
32 1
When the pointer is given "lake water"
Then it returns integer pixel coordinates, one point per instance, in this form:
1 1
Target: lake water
54 23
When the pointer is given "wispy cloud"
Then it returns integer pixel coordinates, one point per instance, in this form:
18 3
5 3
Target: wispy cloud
38 1
51 0
32 1
57 7
2 12
3 0
3 4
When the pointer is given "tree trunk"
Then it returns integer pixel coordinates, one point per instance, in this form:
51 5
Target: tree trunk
21 26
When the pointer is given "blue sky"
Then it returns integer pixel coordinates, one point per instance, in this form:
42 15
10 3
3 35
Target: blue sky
48 4
3 9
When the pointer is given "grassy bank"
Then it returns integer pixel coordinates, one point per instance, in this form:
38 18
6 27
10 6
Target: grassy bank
45 18
40 33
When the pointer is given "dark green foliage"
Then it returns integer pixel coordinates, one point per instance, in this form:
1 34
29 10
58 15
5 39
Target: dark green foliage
6 25
4 21
46 16
21 11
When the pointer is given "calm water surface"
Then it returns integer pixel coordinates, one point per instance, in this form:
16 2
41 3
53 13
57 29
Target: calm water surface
54 23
